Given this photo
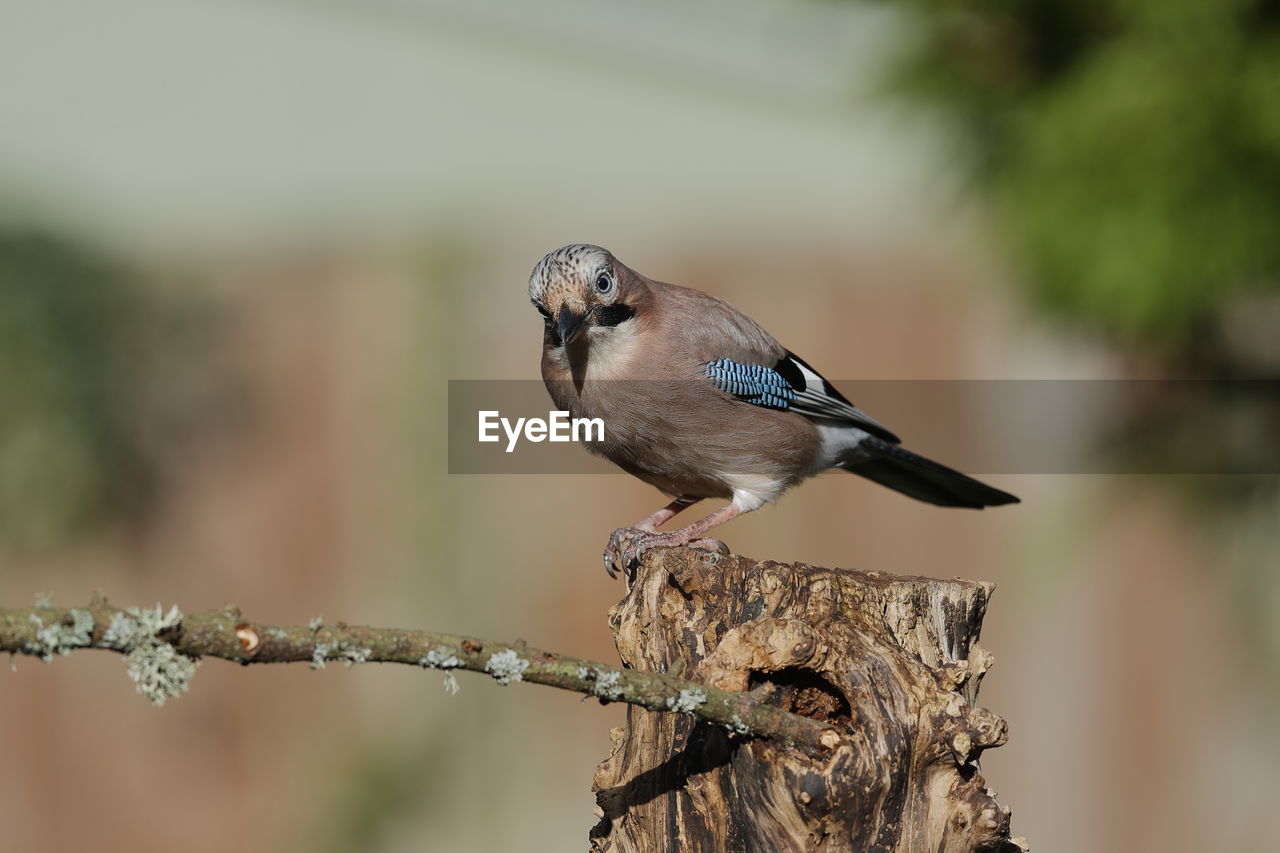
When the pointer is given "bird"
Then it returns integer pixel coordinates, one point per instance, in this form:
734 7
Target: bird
701 402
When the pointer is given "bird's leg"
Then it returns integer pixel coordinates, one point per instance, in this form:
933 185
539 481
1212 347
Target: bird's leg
690 535
668 512
645 525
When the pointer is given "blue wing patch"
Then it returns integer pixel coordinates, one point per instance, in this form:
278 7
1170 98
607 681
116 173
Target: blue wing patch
762 386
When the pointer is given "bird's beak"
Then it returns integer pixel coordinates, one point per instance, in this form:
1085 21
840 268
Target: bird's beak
571 324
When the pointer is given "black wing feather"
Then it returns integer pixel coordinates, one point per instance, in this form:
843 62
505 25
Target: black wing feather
818 398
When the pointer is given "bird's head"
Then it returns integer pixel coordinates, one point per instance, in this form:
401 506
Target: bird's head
578 289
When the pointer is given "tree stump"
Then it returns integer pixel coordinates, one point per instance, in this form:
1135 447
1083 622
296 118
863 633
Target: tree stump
891 663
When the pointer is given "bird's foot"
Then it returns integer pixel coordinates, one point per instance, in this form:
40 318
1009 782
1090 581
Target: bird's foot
714 548
628 544
613 551
646 541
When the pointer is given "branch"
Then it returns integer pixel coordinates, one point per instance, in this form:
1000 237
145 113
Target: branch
162 650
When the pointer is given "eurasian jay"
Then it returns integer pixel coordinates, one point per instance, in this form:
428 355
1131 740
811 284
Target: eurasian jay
701 402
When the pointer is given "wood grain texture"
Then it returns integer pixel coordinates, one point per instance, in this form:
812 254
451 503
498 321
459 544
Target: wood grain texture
891 663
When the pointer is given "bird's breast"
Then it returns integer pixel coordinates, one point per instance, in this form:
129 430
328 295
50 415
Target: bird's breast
679 433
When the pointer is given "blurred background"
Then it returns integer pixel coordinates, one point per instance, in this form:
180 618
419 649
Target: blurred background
243 247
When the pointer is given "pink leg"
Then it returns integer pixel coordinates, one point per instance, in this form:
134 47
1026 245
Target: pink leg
645 525
690 535
668 512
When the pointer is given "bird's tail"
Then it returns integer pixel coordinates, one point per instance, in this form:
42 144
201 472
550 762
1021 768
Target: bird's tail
923 479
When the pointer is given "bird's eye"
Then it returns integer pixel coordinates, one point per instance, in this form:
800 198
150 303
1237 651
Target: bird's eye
603 282
546 315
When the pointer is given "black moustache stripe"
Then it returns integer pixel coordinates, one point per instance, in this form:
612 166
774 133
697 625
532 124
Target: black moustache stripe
613 315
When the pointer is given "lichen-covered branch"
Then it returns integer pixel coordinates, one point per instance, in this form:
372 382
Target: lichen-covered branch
162 650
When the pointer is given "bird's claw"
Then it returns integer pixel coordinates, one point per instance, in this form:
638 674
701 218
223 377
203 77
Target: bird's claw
613 551
714 548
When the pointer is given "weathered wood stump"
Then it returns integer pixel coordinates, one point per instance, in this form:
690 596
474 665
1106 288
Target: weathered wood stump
892 663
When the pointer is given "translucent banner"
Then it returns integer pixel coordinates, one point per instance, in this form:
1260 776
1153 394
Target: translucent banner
977 426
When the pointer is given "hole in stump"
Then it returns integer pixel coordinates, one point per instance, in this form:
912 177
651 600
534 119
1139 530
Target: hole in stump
805 692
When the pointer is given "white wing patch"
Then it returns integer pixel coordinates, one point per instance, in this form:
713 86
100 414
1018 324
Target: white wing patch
816 398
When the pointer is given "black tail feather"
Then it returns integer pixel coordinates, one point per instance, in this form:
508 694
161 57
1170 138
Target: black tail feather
924 479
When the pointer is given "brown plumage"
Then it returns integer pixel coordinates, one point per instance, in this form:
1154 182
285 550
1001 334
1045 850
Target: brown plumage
636 354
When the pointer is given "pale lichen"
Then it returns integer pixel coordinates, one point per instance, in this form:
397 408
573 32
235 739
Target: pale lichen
506 666
61 636
121 633
315 623
737 727
354 654
604 682
152 620
443 658
347 653
606 685
158 669
687 701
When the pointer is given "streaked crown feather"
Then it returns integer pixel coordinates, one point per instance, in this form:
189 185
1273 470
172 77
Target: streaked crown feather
573 263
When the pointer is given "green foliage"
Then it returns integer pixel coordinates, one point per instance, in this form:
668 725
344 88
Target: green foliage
1131 149
106 382
67 324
